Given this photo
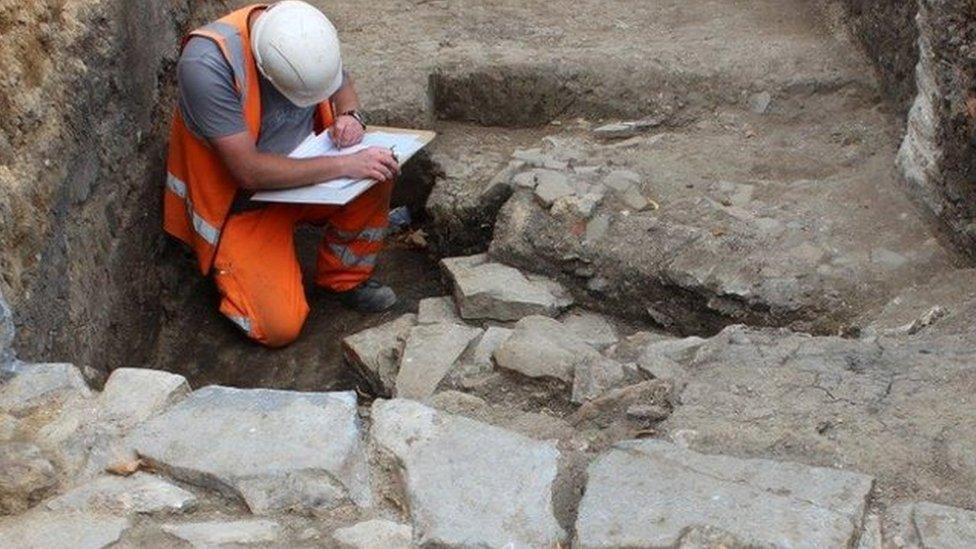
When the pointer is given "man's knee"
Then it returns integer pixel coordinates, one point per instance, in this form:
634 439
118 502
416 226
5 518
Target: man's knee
283 328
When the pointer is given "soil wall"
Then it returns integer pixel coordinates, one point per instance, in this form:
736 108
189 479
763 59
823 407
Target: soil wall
82 134
938 155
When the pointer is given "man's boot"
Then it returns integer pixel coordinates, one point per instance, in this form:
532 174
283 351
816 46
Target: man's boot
369 297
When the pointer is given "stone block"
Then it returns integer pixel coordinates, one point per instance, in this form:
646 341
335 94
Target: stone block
430 353
43 530
541 347
375 534
435 310
42 385
650 493
376 352
26 477
206 535
468 483
140 493
276 450
133 395
492 291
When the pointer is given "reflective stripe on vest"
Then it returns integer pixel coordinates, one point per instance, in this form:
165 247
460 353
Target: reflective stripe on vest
243 323
209 233
349 258
376 234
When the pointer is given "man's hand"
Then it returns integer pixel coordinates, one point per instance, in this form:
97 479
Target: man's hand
347 131
372 163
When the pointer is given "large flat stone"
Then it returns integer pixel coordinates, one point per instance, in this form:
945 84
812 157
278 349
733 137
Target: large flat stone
44 530
133 395
491 291
436 310
376 352
42 385
206 535
898 408
469 484
943 527
374 534
276 450
429 355
141 493
541 347
26 477
654 494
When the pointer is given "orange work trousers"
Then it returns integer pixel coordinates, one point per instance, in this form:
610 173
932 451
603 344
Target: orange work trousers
257 272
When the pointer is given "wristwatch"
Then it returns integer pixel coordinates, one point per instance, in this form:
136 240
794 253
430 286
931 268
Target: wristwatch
359 117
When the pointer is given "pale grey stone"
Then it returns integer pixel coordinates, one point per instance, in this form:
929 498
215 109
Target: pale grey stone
538 159
26 477
595 376
871 535
375 534
525 180
140 493
551 186
650 493
759 103
597 228
664 359
942 527
276 450
42 385
6 332
621 180
501 183
468 483
215 534
592 328
44 530
430 353
492 291
541 347
133 395
481 352
435 310
634 199
376 352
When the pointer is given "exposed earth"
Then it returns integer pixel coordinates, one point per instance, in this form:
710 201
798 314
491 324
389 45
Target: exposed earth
664 288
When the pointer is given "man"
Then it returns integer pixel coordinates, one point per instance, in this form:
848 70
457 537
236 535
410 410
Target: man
252 86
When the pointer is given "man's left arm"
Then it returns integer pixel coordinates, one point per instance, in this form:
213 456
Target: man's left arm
348 130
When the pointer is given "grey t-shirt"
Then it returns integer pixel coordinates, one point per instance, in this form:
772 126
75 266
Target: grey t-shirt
211 106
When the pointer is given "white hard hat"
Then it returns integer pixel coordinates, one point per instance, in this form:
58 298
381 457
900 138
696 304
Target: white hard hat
296 48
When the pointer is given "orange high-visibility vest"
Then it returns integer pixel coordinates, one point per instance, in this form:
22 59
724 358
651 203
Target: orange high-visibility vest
199 189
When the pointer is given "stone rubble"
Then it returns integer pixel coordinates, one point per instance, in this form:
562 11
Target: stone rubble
446 460
133 395
61 530
42 386
437 310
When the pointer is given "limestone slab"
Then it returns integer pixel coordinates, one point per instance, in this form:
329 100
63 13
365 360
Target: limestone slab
943 527
26 476
430 353
375 352
40 385
215 533
651 493
276 450
592 328
374 534
133 395
491 291
468 483
434 310
141 493
44 530
541 347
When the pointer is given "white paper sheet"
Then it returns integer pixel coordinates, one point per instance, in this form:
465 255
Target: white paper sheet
344 190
